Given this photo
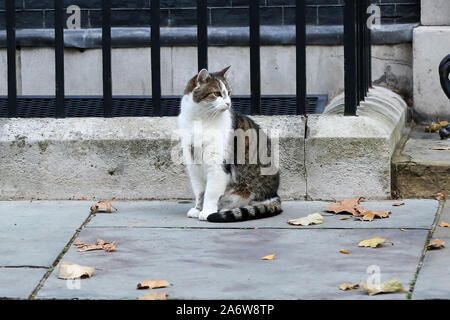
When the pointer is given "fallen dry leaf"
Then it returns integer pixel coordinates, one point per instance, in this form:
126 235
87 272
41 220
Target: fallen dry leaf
100 245
351 206
398 204
71 271
102 206
160 295
348 286
444 224
269 257
440 196
390 286
345 218
436 244
314 218
153 284
403 229
370 215
441 148
435 127
373 243
344 251
83 199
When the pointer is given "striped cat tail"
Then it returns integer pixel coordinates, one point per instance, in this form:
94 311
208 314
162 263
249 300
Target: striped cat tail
264 209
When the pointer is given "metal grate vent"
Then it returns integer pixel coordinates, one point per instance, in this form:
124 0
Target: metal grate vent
141 106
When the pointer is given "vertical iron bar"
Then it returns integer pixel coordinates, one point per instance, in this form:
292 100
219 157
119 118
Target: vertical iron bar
59 58
362 48
369 53
106 49
202 34
350 58
255 66
11 54
301 56
156 58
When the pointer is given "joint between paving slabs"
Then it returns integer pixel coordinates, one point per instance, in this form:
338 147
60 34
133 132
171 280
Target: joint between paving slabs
425 248
60 256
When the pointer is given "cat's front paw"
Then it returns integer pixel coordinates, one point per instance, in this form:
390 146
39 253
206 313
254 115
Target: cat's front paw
193 213
204 215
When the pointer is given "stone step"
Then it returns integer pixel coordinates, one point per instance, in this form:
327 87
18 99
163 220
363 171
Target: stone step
417 170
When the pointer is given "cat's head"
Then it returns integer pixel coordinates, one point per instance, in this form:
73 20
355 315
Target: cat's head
211 92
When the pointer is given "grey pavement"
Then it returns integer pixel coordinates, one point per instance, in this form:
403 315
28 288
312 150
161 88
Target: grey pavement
433 281
203 260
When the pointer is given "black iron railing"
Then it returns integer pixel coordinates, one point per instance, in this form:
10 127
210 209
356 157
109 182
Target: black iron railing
357 69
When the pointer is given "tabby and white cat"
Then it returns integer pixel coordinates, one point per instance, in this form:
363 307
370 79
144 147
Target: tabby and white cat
225 190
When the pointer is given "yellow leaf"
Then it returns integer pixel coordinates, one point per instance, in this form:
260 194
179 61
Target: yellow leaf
348 286
152 284
373 243
402 229
161 295
390 286
344 251
269 257
314 218
69 270
436 244
398 204
444 224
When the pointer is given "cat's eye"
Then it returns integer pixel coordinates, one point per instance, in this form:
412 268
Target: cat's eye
217 94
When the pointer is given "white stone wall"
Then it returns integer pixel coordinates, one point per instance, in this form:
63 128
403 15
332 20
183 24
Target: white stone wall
131 69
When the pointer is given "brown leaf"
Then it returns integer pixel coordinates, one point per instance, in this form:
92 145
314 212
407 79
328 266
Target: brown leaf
351 206
344 251
79 243
444 224
102 206
370 215
439 196
69 270
348 286
109 246
152 284
161 295
439 148
345 218
90 247
398 204
100 245
269 257
436 244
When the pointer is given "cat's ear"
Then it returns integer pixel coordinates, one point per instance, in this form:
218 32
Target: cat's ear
224 72
202 75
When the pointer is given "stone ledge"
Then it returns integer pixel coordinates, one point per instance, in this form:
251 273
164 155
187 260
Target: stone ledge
130 158
124 158
351 156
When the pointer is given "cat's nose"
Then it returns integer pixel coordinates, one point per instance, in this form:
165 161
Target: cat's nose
228 104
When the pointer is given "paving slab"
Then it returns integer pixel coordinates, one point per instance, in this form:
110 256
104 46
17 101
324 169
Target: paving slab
19 283
33 233
226 264
433 281
414 214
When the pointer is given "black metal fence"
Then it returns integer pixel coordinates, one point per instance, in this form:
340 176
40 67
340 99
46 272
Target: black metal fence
357 70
